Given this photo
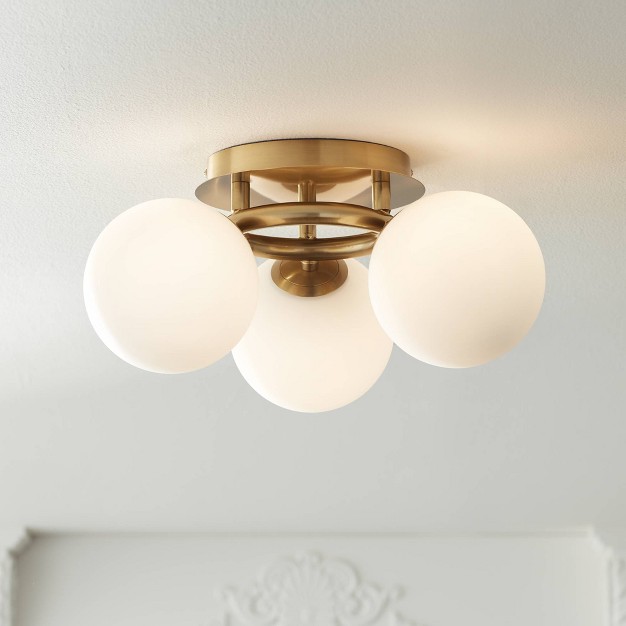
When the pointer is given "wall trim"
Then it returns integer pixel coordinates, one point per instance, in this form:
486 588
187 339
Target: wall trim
309 588
12 542
613 543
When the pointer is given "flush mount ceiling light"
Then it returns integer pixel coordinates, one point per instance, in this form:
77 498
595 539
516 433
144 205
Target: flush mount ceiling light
455 279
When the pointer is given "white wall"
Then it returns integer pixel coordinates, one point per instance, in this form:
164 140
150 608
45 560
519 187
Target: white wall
167 580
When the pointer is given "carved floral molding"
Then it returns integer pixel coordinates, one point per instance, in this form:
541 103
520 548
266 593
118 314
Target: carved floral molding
310 590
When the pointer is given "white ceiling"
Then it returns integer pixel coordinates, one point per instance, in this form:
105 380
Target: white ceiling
106 104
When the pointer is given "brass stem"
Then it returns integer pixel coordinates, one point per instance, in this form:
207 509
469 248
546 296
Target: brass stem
381 191
239 191
307 193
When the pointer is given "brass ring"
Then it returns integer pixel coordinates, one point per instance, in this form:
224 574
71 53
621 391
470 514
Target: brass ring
286 249
296 213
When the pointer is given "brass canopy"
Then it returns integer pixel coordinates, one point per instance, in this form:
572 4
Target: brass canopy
298 280
306 183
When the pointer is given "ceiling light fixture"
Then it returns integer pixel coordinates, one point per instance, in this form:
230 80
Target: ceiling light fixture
455 279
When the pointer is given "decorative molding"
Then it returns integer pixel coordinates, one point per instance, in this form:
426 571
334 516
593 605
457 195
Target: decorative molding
617 590
613 543
310 590
12 542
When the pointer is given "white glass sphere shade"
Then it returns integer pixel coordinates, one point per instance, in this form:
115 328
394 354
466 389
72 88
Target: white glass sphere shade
313 354
170 285
456 279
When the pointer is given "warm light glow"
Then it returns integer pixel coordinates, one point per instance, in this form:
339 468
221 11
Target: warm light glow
313 354
456 279
170 285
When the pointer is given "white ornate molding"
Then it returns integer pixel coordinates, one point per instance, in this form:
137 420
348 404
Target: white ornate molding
613 543
310 590
617 591
12 542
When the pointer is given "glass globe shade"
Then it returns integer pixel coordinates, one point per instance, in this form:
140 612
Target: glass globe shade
456 279
313 354
170 285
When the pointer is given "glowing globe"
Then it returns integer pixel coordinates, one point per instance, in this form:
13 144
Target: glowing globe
313 354
456 279
170 285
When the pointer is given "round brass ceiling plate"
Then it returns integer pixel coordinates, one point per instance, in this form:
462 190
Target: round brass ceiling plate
330 160
340 168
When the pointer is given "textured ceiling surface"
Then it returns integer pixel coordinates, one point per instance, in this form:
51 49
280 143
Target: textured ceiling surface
107 104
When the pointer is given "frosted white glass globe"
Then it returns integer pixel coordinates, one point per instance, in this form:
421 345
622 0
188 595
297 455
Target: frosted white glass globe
313 354
456 279
170 285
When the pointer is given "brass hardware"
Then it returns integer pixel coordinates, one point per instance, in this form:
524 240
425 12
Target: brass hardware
308 231
290 160
306 193
296 213
285 249
240 191
303 169
381 191
332 164
291 277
